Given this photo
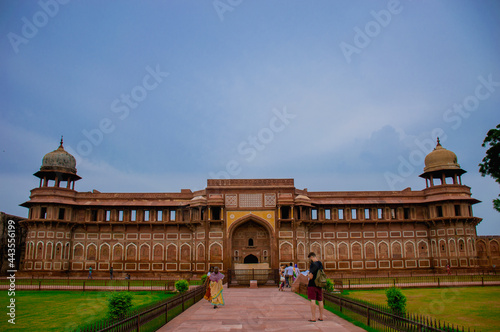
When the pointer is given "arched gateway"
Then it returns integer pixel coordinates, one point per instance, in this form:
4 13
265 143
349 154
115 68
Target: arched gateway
251 244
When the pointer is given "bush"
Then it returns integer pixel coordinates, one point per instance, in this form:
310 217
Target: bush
203 279
181 286
329 285
119 304
396 300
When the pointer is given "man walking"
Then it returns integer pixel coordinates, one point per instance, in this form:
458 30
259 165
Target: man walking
288 274
314 293
111 273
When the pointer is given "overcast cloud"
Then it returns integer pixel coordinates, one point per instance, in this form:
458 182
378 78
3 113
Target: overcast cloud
161 95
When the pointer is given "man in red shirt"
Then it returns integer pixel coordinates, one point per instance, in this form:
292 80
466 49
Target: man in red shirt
314 293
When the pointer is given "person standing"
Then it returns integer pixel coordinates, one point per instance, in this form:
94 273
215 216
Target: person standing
314 293
111 273
90 273
216 288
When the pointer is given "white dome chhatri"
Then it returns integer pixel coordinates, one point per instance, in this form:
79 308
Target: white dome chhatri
59 160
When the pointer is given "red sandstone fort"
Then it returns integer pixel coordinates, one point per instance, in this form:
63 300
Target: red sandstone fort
263 222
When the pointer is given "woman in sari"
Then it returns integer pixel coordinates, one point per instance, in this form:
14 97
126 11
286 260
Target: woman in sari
208 295
216 287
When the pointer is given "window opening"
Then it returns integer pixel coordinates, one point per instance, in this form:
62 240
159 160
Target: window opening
62 213
43 213
406 212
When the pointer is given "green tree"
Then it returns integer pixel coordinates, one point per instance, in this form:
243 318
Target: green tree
181 285
329 287
491 162
119 304
396 300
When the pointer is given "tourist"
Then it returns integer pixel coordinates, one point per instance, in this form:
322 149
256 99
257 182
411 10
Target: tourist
216 287
282 281
111 273
314 293
288 274
296 272
127 276
210 271
208 295
90 273
448 269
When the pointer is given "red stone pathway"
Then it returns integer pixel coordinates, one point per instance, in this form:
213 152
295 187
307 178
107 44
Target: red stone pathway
263 309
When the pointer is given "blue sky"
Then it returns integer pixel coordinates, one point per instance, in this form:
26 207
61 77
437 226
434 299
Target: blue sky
161 95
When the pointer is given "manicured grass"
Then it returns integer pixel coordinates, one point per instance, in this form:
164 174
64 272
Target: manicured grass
344 316
63 310
474 307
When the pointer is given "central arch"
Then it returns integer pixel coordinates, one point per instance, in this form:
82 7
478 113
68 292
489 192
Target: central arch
250 242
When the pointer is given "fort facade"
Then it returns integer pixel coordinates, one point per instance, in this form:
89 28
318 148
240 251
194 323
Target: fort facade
234 222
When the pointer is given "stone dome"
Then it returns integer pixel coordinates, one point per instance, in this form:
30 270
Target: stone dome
440 159
59 160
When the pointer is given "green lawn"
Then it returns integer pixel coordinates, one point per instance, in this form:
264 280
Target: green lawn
63 310
474 307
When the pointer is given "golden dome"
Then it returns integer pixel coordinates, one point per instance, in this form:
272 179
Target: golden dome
59 160
440 159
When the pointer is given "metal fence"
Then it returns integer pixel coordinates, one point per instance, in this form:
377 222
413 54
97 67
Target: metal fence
149 318
416 281
416 273
381 318
92 284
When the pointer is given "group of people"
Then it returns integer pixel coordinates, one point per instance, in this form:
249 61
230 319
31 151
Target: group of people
314 293
214 287
288 274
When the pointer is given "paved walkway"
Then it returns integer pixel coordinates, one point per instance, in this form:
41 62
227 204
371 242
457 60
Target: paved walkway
262 309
